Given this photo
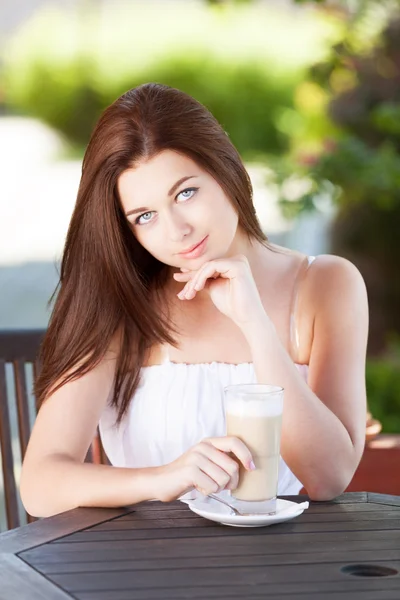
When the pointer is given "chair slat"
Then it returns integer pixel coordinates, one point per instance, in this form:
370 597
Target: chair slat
36 367
22 343
99 457
19 347
22 405
95 450
89 454
104 457
10 489
24 427
30 519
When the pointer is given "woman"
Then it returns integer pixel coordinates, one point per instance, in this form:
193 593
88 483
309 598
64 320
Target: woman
146 331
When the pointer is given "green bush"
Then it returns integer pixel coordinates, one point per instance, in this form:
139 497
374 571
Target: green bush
65 68
356 166
383 390
242 98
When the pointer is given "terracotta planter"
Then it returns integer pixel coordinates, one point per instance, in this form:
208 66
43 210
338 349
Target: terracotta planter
379 469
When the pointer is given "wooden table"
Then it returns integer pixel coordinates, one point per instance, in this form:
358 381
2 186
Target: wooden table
345 549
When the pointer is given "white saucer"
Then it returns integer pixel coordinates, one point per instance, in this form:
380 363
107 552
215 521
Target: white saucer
215 511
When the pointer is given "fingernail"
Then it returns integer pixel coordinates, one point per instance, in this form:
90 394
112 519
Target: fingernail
252 466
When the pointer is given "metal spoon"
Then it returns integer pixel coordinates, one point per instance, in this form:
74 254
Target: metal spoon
237 512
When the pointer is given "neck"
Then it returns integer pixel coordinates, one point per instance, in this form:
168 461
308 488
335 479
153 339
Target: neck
256 253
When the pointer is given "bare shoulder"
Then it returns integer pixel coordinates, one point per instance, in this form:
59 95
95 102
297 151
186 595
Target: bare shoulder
334 280
335 299
332 296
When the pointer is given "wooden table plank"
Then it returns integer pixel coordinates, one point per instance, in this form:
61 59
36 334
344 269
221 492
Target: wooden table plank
384 499
149 551
367 595
140 521
283 540
331 509
208 593
142 531
91 565
46 530
237 593
279 574
20 581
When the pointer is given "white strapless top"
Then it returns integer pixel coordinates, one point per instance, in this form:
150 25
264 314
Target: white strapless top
176 405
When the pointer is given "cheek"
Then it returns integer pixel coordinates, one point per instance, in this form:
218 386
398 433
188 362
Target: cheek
218 209
226 217
149 240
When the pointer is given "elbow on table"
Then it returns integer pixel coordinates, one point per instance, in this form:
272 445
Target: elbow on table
37 499
329 489
323 495
34 504
324 492
38 507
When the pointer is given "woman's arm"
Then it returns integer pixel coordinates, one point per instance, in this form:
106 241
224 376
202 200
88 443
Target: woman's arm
54 476
58 483
323 430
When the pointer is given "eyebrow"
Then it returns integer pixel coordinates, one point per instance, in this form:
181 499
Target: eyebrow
171 191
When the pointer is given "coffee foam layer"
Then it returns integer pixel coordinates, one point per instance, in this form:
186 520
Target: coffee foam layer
254 408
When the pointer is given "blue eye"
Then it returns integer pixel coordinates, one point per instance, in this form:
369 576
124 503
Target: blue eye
137 221
191 191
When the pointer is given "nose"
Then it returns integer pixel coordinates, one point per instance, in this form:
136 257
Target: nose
176 227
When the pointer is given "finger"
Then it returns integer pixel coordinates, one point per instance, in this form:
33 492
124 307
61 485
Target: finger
213 270
218 268
218 475
200 286
199 280
183 293
236 446
223 460
182 276
187 276
204 483
208 270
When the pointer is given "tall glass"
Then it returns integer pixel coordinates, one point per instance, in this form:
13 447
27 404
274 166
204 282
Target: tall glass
254 415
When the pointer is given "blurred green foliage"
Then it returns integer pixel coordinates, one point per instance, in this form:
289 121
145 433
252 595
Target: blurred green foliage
357 92
65 68
72 104
383 389
352 161
357 173
355 165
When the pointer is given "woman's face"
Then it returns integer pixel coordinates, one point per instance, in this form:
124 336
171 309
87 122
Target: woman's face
172 204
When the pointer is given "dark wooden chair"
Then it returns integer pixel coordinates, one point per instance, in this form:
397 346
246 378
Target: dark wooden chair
19 349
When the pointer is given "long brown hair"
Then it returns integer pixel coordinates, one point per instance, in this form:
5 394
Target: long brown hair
109 284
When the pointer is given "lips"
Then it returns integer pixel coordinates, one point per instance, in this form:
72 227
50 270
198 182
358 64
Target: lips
192 247
198 251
